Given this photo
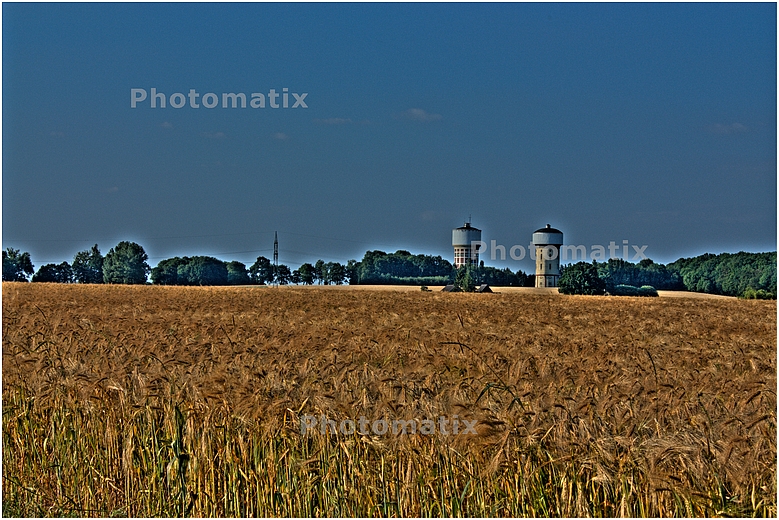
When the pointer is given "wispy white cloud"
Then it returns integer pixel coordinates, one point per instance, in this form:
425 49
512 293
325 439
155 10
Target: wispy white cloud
166 124
214 135
418 114
733 128
280 136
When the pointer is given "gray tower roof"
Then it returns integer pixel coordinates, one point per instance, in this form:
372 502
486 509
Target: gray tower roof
468 226
548 229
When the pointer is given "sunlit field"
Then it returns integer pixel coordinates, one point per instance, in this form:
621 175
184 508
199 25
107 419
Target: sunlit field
170 401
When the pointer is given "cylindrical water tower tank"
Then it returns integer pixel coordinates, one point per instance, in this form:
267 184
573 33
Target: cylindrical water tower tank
464 241
464 236
548 236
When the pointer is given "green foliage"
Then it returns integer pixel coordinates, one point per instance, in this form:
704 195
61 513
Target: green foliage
237 274
465 279
758 294
378 267
54 273
581 278
403 268
351 272
202 270
624 290
319 271
199 270
126 264
330 273
336 273
630 290
261 271
647 290
500 277
17 266
283 275
306 273
621 272
728 274
88 266
166 272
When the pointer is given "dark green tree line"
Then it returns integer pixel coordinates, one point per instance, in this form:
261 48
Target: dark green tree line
403 268
581 278
728 274
17 266
54 273
751 275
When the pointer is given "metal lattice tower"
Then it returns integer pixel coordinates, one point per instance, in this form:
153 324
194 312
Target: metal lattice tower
276 258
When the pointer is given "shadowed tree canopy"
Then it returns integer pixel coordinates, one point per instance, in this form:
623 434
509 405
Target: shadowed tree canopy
88 266
261 271
17 266
401 267
53 273
126 264
237 274
306 273
166 272
728 274
202 270
581 278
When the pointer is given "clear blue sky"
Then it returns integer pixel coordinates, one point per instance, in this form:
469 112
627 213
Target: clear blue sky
652 123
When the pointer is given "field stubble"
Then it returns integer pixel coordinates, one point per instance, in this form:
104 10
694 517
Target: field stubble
164 401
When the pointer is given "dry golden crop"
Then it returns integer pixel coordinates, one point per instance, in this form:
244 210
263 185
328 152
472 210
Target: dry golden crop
164 401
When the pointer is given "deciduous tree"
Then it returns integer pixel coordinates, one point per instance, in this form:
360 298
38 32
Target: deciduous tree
17 266
306 272
581 278
126 264
88 266
237 274
261 271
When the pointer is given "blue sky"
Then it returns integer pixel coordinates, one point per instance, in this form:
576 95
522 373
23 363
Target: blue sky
652 123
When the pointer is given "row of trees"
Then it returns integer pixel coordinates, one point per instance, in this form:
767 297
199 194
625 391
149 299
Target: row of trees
747 275
403 268
206 270
621 272
728 274
376 267
125 263
741 274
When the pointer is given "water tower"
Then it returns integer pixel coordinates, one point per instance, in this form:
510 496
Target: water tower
466 250
547 242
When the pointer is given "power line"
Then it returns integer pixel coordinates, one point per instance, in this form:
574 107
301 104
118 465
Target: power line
124 238
174 237
285 252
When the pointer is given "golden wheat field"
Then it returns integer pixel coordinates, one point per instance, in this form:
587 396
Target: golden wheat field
166 401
